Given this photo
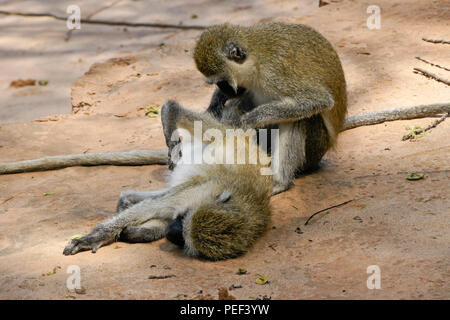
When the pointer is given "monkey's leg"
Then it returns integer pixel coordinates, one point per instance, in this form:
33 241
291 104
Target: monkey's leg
109 230
129 198
317 142
217 104
287 155
166 207
149 231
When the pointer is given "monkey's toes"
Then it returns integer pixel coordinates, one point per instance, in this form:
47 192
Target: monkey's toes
71 249
78 245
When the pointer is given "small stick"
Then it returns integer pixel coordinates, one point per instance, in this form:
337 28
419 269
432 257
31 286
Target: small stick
436 41
431 76
106 22
5 201
430 126
430 63
335 206
10 198
162 277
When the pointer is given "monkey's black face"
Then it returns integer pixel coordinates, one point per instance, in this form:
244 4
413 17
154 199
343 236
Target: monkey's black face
174 231
227 90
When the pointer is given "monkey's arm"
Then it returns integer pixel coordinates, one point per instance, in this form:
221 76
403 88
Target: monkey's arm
174 116
221 109
288 109
217 104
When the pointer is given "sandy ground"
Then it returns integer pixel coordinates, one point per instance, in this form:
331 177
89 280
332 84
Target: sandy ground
402 226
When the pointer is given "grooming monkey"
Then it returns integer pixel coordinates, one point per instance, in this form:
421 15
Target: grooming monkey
286 76
215 211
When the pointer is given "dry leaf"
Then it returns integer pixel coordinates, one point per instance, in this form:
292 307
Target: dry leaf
22 83
241 271
262 279
415 176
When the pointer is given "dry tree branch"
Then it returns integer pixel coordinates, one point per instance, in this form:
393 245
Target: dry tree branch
421 130
436 41
148 157
431 76
371 118
106 22
432 64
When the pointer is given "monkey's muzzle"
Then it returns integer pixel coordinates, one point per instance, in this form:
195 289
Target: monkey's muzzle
228 90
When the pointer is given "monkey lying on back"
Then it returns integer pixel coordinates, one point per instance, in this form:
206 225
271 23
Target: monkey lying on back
215 211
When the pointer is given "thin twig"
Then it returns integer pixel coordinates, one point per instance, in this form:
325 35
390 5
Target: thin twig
431 76
161 277
107 22
5 201
411 135
335 206
10 198
436 41
430 63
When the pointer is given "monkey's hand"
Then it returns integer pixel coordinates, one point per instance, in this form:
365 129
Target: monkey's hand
101 236
170 112
175 155
249 120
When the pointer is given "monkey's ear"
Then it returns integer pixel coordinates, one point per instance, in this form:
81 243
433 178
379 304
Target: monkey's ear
235 52
224 196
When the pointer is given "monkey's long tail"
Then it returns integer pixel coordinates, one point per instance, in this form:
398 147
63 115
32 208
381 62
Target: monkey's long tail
371 118
126 158
148 157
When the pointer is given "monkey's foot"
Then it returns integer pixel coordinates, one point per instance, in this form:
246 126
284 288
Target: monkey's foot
278 188
92 241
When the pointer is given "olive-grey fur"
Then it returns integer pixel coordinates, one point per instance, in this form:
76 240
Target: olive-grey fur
294 81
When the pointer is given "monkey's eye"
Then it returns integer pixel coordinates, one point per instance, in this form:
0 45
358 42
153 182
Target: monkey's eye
235 52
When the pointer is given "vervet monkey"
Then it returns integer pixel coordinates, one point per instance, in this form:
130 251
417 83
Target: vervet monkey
289 76
215 211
